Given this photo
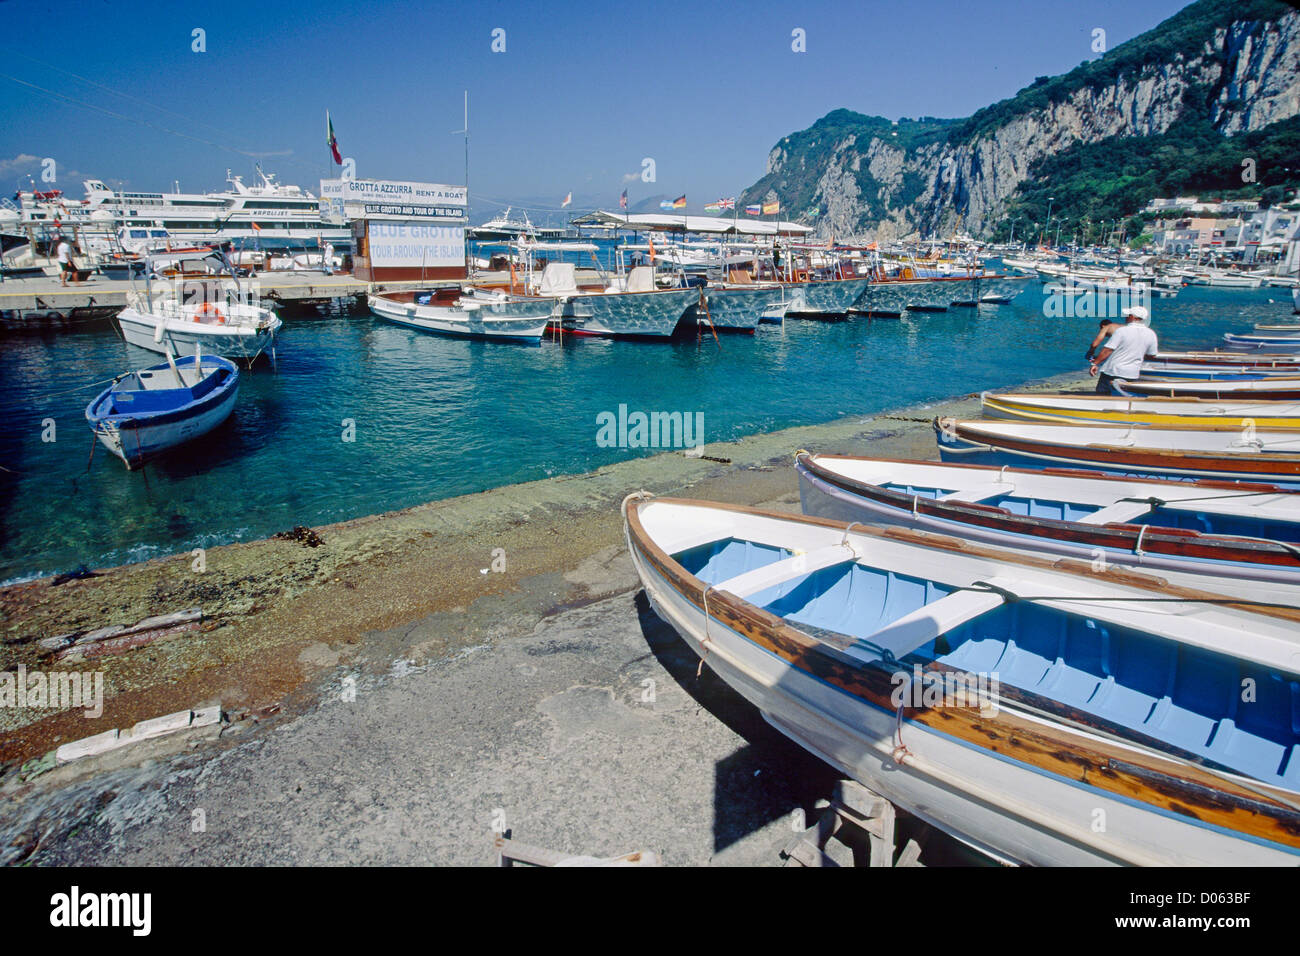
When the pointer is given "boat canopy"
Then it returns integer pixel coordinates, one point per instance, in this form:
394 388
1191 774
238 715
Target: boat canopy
667 223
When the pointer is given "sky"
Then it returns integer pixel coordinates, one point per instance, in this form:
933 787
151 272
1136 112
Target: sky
579 97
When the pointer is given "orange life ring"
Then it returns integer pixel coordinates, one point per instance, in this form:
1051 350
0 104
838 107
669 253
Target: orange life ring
210 308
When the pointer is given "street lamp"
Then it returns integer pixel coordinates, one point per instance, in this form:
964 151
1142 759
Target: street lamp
1059 223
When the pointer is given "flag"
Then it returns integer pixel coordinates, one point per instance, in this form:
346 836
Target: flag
567 199
652 249
726 203
256 226
622 200
666 204
331 139
713 207
753 210
771 208
680 202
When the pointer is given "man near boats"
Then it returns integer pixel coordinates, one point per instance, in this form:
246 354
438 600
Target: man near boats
66 266
1121 359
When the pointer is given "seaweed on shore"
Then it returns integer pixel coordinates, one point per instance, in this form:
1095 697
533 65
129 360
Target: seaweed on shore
308 537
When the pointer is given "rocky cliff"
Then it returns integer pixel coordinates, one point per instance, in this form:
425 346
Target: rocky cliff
1234 65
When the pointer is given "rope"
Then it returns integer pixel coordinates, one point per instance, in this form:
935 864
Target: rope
707 639
79 388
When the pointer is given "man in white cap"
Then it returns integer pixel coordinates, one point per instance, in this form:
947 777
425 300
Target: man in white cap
1121 359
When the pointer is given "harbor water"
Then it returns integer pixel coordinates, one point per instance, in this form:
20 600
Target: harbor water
362 417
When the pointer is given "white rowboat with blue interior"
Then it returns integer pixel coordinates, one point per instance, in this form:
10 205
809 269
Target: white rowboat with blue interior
1008 700
145 413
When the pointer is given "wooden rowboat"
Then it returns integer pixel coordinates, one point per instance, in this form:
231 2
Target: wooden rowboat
1238 539
1116 697
1234 454
1264 389
1180 412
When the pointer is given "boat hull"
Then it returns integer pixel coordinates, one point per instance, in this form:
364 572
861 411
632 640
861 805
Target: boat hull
961 442
824 296
736 310
191 338
650 315
512 321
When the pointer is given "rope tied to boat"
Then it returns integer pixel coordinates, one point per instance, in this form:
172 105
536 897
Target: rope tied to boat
641 495
704 644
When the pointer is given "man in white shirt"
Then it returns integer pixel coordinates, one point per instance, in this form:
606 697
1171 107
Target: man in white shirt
1121 359
66 266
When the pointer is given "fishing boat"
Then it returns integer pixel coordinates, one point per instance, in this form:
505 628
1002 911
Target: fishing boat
1180 412
448 311
1234 454
145 413
1271 388
1115 692
1214 535
233 329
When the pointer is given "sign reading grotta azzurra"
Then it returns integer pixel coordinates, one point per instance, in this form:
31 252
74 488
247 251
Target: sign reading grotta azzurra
361 197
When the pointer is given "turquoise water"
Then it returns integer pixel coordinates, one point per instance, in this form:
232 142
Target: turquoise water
439 417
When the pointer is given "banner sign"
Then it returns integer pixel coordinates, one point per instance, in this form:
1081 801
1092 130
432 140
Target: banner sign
410 194
416 244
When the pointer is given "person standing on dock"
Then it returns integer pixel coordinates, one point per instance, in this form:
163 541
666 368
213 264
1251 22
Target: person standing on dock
66 266
1121 359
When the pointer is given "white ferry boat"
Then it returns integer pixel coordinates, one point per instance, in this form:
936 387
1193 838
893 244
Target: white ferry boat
269 212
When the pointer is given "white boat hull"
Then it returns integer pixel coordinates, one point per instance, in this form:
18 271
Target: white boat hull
182 337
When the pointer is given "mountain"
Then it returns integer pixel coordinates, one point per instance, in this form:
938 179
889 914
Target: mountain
1176 108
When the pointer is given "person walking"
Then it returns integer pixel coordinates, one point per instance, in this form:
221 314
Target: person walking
1126 349
66 266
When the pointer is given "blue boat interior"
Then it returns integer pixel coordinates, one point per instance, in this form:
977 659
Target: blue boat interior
1204 521
1232 712
128 400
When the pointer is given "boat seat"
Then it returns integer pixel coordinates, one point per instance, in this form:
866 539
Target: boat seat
980 492
559 278
1121 512
739 277
918 628
779 572
640 279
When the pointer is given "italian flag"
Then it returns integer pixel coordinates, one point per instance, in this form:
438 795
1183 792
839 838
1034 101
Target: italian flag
331 139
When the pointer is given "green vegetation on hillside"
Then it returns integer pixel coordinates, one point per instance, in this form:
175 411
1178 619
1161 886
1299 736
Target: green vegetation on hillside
1117 177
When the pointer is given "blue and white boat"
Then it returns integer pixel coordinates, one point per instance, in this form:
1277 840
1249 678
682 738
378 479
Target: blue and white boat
145 413
1241 540
1040 711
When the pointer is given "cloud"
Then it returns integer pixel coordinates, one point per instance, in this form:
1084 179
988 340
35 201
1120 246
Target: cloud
631 177
20 162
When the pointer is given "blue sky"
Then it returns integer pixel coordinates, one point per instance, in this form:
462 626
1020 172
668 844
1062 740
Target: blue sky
581 95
